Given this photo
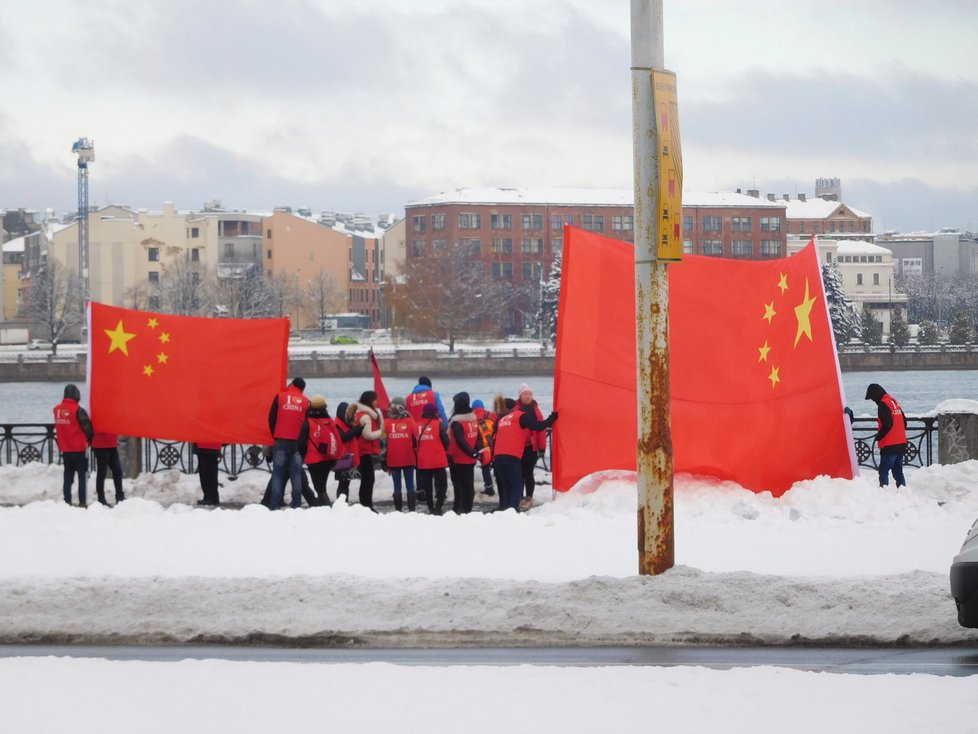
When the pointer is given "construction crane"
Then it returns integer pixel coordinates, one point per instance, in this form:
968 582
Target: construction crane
85 149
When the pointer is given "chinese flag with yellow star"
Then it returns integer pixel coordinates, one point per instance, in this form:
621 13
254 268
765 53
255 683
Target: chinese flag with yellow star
756 391
184 378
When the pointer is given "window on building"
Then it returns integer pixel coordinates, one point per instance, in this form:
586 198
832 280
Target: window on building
154 277
532 245
268 254
502 245
742 248
557 244
419 222
507 270
154 254
688 247
831 226
467 220
417 247
712 224
865 227
194 232
623 223
439 244
473 247
269 234
770 224
740 224
772 248
154 303
532 271
712 247
876 278
195 254
828 257
532 221
557 221
687 223
502 270
852 226
592 222
859 278
501 221
228 249
437 221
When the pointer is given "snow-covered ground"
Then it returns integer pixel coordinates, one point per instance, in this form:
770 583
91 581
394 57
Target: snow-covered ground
833 561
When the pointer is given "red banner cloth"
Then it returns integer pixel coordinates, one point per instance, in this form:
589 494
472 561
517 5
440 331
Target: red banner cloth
756 390
383 401
184 378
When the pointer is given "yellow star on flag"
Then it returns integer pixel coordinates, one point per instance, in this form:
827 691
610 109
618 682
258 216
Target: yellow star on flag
763 350
773 377
152 323
803 313
148 370
120 338
769 312
783 283
164 337
162 357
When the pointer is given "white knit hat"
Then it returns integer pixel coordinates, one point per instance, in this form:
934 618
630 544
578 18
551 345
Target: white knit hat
524 388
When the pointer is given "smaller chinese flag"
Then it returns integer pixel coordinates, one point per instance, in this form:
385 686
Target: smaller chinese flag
184 378
383 402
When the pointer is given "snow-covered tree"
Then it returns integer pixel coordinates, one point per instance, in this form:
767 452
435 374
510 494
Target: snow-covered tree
845 320
960 332
53 298
551 297
899 329
871 327
928 333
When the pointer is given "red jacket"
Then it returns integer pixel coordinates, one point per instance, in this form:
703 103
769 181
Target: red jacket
431 450
68 431
292 407
510 436
401 442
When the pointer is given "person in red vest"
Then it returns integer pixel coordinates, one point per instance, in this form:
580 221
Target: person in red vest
534 447
346 466
463 453
513 426
106 449
420 396
433 446
325 446
73 432
208 459
286 421
402 448
487 423
891 434
364 414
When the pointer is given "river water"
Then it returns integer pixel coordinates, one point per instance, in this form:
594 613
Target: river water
918 391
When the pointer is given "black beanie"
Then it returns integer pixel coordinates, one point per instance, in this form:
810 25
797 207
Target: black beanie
299 383
461 401
71 391
368 398
424 381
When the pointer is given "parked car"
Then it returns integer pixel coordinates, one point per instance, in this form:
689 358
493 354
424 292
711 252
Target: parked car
964 579
39 344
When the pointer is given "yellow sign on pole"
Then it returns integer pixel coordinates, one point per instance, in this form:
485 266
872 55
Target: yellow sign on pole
670 190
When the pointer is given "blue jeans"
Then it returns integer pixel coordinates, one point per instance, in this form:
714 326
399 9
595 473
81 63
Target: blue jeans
75 462
408 479
286 461
894 463
509 475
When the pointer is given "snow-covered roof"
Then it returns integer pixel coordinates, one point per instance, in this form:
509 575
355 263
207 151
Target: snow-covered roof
816 208
584 197
15 245
859 247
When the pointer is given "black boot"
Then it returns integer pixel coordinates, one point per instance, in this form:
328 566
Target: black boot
102 500
412 502
398 502
438 506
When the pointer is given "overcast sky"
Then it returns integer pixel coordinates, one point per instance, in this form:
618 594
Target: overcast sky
366 106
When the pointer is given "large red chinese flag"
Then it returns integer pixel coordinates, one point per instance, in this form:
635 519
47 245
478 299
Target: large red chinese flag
184 378
756 391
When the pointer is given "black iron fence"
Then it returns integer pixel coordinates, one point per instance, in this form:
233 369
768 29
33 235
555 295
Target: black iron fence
23 443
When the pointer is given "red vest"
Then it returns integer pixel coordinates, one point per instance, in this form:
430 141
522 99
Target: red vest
431 452
510 436
536 439
349 447
68 431
400 442
471 430
417 400
322 431
292 407
105 440
897 433
364 445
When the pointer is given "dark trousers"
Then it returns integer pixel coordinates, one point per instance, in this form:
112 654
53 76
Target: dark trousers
320 475
438 478
108 460
75 462
487 475
509 476
463 485
307 494
528 464
207 464
892 462
367 481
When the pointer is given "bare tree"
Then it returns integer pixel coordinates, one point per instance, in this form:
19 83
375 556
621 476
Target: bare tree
182 289
319 297
282 295
54 299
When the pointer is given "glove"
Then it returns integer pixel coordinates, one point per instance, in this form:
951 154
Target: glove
553 417
358 431
475 454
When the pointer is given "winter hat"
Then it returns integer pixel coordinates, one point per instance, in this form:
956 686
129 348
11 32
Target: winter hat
429 411
299 383
524 388
510 403
317 401
478 404
368 397
398 401
875 392
72 392
424 381
461 401
398 408
341 410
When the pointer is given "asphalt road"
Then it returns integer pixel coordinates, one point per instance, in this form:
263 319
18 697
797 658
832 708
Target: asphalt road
954 661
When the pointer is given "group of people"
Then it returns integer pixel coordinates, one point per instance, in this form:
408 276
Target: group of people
416 442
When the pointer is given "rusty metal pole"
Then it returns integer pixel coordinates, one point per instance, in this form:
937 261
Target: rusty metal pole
656 551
